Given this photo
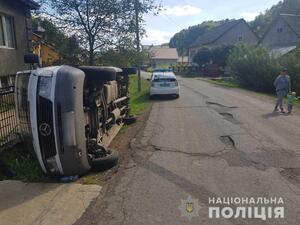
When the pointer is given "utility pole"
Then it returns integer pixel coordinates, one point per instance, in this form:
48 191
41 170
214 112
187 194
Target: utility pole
138 47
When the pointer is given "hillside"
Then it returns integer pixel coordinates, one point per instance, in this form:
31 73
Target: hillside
183 39
262 22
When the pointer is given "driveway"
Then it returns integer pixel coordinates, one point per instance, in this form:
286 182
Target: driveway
212 142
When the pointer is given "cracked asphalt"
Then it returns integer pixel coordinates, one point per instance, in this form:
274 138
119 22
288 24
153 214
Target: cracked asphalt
212 142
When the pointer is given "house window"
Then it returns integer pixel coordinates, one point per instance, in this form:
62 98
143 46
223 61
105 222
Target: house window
241 37
279 29
7 32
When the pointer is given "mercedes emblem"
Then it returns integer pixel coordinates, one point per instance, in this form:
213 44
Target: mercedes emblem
45 129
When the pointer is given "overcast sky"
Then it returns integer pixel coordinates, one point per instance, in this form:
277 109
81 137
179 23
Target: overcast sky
180 14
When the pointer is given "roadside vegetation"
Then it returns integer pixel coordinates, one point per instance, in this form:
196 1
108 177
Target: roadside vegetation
23 165
139 101
256 69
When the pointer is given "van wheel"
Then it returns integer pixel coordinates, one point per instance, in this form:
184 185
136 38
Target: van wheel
106 162
130 120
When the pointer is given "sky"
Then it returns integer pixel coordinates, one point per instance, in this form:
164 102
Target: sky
180 14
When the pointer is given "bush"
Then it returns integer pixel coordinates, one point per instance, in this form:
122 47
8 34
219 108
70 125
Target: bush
254 68
292 62
217 55
203 56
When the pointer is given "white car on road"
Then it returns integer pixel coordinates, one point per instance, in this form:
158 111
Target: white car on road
164 83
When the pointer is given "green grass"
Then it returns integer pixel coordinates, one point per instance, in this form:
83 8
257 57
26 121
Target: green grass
139 101
21 160
230 83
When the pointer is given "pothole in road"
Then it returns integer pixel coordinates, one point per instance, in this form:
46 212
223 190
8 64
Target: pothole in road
215 103
237 158
227 141
284 159
229 117
220 105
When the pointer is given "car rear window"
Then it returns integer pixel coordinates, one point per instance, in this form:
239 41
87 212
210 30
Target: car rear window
161 79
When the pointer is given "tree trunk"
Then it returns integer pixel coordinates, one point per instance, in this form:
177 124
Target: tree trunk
91 58
91 51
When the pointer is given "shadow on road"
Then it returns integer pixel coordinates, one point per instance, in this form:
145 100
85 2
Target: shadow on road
272 115
161 98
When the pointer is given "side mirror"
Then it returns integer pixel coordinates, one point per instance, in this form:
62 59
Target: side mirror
148 79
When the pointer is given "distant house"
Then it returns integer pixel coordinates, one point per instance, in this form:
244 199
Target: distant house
183 61
161 57
15 37
229 33
47 52
283 34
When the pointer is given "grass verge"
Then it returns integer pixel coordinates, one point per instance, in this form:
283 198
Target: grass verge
139 101
22 162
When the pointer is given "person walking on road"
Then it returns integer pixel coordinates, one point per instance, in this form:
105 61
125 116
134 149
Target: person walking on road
283 87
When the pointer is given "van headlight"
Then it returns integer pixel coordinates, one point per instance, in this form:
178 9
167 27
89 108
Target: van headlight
45 87
52 165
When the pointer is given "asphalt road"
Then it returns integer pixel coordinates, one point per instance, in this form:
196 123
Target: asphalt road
212 142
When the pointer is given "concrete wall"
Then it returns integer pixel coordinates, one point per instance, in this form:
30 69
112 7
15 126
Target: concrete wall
280 39
11 60
233 35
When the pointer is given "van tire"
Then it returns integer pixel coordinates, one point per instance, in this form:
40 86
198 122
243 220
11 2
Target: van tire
99 73
105 163
130 120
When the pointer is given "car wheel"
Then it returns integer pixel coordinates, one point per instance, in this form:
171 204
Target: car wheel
105 163
177 96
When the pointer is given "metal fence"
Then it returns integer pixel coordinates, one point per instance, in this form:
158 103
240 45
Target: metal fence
8 119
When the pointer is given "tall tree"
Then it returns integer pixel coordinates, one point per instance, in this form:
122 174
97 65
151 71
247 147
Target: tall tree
98 24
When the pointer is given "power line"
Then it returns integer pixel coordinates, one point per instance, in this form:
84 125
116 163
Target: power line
173 21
